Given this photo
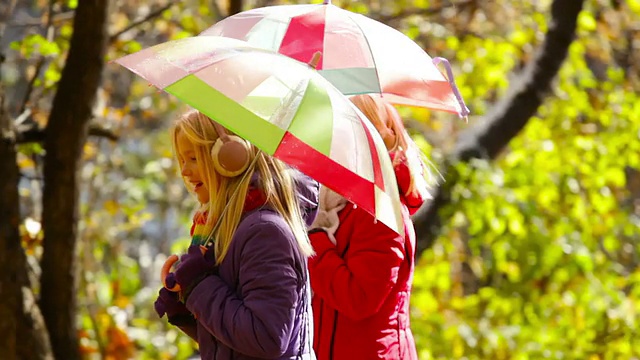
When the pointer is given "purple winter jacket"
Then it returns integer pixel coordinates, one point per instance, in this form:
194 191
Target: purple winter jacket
258 306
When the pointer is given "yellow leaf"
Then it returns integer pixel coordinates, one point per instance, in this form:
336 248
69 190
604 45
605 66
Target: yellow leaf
90 150
586 21
41 118
111 207
25 162
121 301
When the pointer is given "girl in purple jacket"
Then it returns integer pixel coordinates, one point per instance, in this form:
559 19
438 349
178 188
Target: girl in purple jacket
247 296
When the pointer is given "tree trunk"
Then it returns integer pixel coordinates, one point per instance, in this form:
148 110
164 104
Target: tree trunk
9 237
235 6
19 321
508 117
65 137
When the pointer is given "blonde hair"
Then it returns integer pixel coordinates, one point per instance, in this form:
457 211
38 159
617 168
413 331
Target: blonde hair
227 194
384 116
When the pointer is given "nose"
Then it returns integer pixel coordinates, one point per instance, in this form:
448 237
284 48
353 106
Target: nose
185 171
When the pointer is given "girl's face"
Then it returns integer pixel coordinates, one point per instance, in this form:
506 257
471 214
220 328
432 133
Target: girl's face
189 167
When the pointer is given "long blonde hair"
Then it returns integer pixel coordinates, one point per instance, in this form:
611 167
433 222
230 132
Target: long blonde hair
227 195
385 117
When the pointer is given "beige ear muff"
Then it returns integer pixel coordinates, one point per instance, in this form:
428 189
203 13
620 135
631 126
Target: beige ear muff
230 153
390 139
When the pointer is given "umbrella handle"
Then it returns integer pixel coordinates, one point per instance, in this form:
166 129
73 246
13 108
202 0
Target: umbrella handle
166 269
464 110
315 59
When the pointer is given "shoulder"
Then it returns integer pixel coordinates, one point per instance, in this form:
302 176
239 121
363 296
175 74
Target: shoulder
263 223
264 217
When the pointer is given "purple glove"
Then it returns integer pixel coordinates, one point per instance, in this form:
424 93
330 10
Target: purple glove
193 267
169 303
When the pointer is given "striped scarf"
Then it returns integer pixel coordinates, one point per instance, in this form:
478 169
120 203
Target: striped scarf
200 231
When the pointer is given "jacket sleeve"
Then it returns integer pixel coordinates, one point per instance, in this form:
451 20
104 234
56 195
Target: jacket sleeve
260 321
358 285
191 330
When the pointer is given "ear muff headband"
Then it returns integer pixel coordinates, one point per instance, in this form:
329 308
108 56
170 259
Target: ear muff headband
230 153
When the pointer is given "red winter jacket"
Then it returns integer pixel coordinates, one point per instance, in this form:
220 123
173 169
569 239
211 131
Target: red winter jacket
362 286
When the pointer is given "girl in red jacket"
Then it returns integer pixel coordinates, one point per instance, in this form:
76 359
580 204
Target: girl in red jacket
362 273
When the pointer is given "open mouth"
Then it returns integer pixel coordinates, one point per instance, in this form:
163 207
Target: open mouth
197 186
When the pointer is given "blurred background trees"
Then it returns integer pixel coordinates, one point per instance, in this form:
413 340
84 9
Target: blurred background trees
533 253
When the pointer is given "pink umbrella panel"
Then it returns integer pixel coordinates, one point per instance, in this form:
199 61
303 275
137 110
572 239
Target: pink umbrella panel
359 55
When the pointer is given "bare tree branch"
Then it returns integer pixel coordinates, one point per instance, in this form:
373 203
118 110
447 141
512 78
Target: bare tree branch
38 135
152 15
41 60
9 7
55 20
423 11
7 15
508 117
66 134
30 84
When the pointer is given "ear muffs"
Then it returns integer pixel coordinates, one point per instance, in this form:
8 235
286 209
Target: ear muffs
394 127
230 153
389 137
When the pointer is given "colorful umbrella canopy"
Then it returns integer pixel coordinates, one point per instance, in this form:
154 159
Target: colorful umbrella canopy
282 106
359 55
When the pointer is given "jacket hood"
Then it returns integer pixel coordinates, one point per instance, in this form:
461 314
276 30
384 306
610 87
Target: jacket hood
307 193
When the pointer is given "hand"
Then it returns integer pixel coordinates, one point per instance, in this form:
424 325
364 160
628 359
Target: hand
327 218
327 221
169 303
193 268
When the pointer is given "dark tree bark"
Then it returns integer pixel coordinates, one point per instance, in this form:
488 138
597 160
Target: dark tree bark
235 6
9 237
508 117
65 136
22 331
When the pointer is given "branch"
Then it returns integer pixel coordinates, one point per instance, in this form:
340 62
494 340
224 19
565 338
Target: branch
9 7
30 84
65 136
101 132
152 15
41 60
422 11
38 135
508 117
56 20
